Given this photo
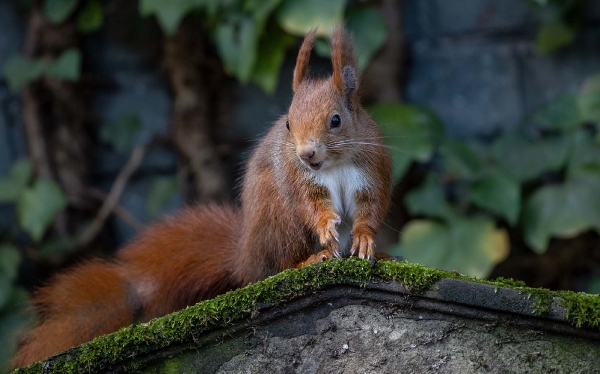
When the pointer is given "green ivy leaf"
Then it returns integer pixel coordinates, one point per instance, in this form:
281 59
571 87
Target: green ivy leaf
586 151
169 13
260 9
10 258
56 248
298 17
237 42
471 246
593 286
460 160
553 35
368 28
90 17
15 182
588 99
563 114
429 200
411 133
37 206
59 10
271 53
524 159
160 191
562 210
21 70
15 317
121 133
500 194
67 66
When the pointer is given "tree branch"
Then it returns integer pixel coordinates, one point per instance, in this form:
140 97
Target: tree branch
112 200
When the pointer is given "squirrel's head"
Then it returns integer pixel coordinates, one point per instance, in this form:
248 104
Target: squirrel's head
323 116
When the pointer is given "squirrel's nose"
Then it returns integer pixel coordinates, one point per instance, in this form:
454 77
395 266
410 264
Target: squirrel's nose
307 155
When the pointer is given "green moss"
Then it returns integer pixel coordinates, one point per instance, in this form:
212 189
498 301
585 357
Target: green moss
180 327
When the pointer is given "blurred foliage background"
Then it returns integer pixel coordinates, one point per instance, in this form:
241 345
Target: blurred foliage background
520 201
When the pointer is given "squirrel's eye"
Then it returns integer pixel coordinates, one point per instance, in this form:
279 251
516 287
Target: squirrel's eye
336 121
287 125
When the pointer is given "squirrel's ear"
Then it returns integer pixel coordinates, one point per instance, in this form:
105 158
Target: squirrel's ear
345 76
301 70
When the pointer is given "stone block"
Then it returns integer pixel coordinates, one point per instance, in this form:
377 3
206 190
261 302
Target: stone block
473 84
487 16
11 32
545 77
144 94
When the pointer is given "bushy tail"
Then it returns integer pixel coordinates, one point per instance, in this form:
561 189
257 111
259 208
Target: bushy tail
173 264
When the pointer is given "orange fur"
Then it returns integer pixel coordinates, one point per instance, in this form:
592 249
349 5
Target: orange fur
301 69
287 215
173 264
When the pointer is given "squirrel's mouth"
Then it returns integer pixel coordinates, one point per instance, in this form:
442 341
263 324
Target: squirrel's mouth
316 166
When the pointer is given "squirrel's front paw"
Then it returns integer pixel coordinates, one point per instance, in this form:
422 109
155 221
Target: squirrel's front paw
328 235
363 244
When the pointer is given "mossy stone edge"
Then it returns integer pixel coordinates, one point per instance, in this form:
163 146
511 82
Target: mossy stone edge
580 309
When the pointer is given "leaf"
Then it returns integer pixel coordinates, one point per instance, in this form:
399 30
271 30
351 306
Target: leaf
67 66
553 35
429 200
500 194
460 160
563 114
6 286
37 206
237 42
586 151
17 179
21 70
15 317
169 13
56 247
368 29
260 9
160 191
471 246
410 132
10 258
562 210
271 53
121 133
298 17
593 286
59 10
588 99
90 17
525 160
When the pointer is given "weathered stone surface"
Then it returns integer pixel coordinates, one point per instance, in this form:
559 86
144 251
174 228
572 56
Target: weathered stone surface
472 84
351 316
384 338
11 33
545 77
482 15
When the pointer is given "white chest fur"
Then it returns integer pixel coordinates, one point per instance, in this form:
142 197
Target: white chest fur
342 182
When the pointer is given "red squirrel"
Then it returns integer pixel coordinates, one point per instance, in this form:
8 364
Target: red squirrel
320 172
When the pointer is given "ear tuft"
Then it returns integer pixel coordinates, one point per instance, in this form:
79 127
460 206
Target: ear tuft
301 69
350 80
343 59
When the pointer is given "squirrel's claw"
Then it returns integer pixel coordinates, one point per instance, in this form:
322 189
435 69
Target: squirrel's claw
328 234
363 246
